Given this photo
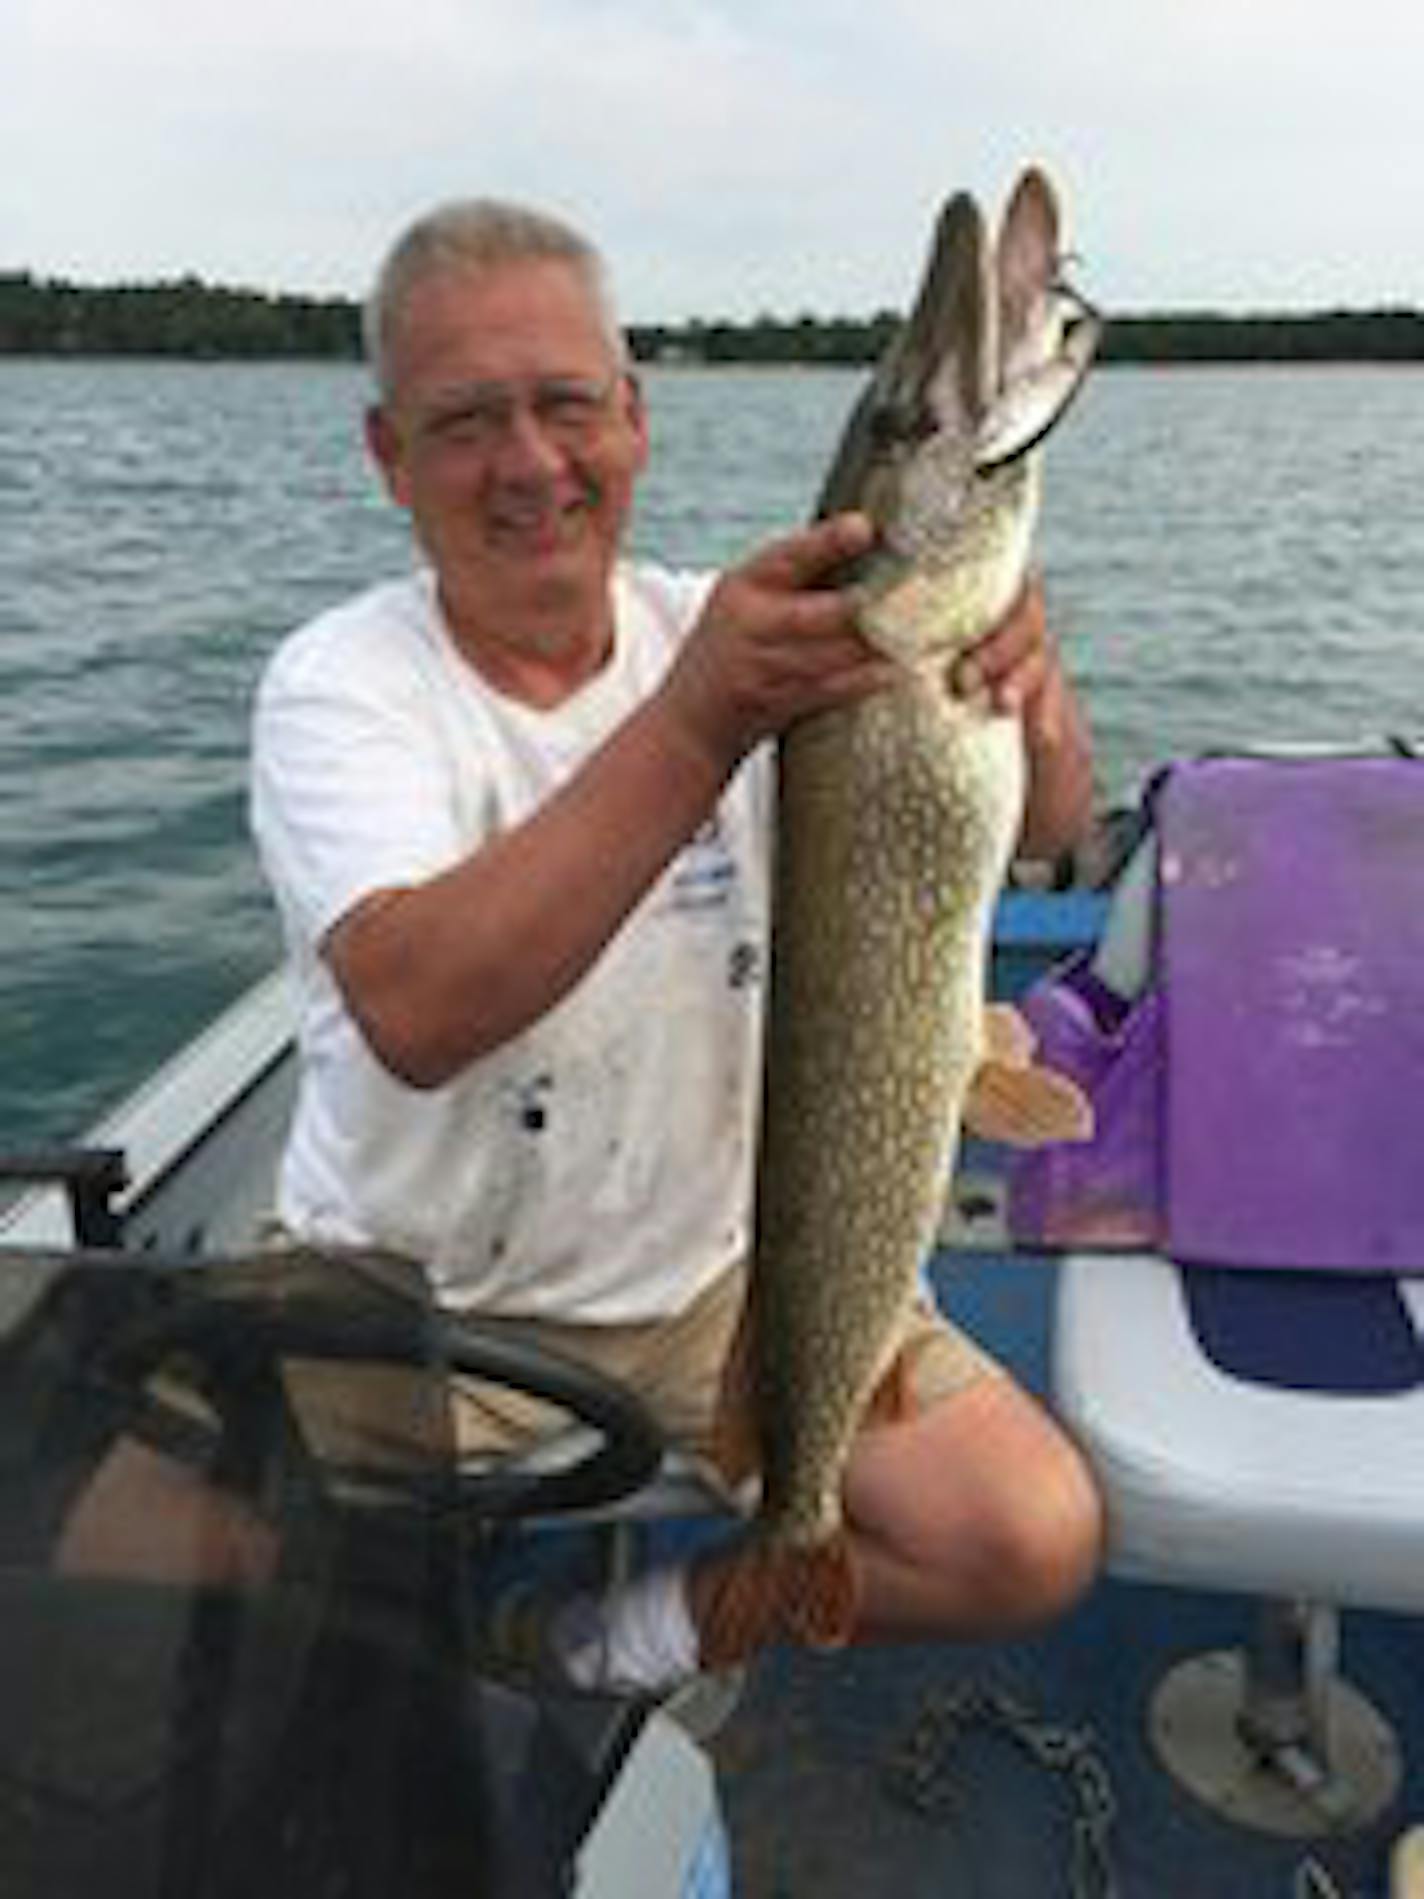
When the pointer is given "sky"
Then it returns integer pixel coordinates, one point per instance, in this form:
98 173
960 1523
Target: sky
731 157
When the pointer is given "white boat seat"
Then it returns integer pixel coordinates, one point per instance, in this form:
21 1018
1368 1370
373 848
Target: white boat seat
1309 1501
1262 1431
1218 1482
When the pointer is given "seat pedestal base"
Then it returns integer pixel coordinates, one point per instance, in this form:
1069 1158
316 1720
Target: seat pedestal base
1271 1737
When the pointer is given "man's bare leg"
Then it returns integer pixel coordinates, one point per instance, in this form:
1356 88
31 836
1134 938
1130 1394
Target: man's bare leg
976 1517
149 1519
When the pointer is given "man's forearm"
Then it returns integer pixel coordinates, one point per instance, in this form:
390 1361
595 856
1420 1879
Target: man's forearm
440 974
443 972
1059 805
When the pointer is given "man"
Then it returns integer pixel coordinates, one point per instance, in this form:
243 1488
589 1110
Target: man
514 810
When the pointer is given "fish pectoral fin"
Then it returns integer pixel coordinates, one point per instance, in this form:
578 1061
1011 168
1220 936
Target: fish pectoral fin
1015 1100
770 1591
1008 1035
1026 1106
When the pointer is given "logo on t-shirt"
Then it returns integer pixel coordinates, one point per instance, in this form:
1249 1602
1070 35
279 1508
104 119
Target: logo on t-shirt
703 874
706 881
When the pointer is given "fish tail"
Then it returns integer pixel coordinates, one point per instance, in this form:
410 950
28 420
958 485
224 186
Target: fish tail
773 1592
820 1593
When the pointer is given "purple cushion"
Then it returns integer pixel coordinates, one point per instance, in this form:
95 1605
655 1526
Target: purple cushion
1291 962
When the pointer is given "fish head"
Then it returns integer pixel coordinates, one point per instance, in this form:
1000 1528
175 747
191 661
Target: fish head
929 386
940 451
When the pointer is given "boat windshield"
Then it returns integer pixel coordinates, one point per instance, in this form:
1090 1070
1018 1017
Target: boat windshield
239 1656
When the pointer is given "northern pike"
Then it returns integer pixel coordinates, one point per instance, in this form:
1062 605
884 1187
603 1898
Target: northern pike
897 818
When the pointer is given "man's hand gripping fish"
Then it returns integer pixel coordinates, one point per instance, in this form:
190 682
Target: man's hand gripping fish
897 819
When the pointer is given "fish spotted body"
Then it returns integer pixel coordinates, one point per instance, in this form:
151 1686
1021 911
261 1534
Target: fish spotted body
897 817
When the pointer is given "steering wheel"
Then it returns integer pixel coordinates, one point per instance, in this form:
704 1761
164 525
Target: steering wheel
239 1341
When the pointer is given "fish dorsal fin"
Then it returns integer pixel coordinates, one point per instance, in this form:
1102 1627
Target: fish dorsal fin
1026 1105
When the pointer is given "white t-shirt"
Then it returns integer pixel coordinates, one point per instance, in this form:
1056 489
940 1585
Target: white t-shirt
598 1166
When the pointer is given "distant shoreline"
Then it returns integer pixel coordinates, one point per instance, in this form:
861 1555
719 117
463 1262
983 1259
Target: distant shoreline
187 319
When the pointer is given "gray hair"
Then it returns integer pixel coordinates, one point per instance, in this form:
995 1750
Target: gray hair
472 234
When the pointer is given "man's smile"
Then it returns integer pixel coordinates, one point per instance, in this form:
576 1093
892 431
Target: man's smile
540 523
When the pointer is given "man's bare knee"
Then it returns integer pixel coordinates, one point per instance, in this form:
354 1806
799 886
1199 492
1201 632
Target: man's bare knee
980 1517
1044 1545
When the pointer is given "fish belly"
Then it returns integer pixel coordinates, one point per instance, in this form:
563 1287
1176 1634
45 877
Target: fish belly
896 820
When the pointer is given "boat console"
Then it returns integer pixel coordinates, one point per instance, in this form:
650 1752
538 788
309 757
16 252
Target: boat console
233 1665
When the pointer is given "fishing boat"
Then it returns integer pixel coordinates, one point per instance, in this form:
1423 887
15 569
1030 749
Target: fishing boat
1237 1709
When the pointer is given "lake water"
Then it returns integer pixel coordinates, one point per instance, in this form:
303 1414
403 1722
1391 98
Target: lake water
1231 555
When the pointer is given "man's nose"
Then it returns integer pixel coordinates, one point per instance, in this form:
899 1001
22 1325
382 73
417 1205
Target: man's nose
526 443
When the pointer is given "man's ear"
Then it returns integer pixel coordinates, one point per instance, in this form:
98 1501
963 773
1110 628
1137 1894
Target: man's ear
383 440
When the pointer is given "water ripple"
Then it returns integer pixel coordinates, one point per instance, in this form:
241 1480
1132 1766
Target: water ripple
1231 555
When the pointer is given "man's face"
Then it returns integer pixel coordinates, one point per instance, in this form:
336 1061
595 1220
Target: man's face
514 440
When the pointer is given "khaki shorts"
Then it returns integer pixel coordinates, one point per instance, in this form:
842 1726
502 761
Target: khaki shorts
383 1415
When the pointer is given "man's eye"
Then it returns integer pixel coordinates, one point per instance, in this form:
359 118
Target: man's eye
566 407
475 423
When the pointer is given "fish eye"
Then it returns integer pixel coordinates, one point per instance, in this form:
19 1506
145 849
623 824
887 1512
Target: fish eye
893 424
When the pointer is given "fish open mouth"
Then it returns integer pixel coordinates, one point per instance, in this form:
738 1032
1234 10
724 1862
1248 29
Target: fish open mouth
1030 408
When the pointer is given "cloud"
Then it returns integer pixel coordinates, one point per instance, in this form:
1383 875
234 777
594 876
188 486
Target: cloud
732 157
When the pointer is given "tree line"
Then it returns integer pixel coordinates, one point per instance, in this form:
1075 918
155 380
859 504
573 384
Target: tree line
189 318
186 318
